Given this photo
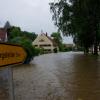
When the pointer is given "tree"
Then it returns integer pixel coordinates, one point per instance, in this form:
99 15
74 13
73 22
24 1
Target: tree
58 39
88 26
27 45
14 32
79 18
29 35
17 32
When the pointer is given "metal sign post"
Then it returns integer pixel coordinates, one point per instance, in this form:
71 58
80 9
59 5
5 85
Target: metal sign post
6 84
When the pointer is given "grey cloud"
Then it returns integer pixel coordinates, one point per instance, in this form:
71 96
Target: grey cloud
30 15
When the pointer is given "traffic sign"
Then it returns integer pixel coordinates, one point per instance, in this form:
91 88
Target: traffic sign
11 54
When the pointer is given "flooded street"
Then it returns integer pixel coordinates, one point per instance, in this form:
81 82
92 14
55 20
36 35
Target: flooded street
62 76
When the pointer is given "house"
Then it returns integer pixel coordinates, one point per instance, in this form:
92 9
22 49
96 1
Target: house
4 32
46 43
3 35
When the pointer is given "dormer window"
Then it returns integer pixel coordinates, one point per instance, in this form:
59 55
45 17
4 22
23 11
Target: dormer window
41 40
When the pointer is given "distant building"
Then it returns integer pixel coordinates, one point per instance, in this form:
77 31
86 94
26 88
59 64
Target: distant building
46 43
4 32
69 45
3 35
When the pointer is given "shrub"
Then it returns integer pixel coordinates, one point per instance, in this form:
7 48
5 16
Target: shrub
27 45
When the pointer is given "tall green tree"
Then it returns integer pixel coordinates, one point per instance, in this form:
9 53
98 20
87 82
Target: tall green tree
17 32
79 18
88 26
14 32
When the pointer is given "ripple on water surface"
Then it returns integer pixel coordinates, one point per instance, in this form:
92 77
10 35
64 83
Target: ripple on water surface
61 76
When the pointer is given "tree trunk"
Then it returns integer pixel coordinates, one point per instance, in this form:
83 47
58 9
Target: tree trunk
92 51
86 50
95 49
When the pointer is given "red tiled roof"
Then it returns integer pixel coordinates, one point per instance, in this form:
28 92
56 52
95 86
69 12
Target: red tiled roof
3 34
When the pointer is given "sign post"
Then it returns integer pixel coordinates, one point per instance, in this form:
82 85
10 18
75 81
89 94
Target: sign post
6 84
9 55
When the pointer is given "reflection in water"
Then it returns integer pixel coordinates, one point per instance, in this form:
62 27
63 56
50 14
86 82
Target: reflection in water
6 90
62 76
86 77
80 76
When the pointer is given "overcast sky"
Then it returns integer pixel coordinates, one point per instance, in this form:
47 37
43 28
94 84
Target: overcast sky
30 15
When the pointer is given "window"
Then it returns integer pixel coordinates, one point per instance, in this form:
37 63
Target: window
35 45
46 45
41 40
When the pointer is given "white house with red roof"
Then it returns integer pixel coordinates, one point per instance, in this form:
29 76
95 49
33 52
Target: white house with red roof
45 42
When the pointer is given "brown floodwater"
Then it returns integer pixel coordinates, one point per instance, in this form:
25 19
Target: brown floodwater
61 76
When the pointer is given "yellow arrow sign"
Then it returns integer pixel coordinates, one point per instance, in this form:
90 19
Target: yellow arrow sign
11 54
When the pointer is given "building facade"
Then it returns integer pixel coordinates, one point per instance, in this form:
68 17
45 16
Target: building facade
45 42
3 35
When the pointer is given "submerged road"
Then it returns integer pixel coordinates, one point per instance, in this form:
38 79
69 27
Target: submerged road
61 76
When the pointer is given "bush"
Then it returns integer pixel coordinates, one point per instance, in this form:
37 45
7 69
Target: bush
55 50
27 45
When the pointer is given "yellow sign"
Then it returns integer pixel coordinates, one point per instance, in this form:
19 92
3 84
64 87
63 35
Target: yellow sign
11 54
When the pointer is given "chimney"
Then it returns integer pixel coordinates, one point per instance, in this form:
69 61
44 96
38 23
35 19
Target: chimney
46 34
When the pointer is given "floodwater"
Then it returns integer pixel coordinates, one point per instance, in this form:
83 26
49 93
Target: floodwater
61 76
